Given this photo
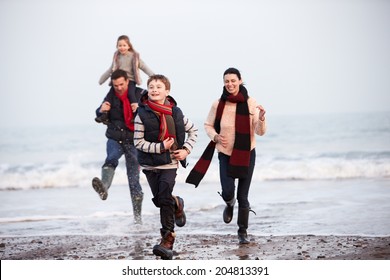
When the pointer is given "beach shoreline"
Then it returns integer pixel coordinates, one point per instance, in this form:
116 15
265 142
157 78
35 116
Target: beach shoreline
195 247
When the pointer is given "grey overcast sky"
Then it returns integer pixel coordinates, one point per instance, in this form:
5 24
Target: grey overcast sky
296 56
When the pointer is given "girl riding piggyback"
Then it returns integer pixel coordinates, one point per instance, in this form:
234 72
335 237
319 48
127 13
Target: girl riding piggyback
127 59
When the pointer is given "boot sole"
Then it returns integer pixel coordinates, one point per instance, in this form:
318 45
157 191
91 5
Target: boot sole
99 188
243 241
162 252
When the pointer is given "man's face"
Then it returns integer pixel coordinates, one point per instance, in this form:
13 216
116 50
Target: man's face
120 85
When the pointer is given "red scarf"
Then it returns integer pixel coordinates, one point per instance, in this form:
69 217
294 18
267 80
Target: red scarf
164 111
127 112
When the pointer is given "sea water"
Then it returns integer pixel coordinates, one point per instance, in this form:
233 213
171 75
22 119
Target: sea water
314 174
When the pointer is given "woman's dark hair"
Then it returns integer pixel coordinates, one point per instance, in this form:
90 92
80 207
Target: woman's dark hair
232 70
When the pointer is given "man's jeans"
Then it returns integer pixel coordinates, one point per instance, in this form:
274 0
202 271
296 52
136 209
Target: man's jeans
114 152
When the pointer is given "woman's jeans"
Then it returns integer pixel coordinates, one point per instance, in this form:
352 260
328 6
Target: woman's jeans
228 183
114 151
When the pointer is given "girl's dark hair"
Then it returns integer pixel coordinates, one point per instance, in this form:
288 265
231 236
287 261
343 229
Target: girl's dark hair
127 40
232 70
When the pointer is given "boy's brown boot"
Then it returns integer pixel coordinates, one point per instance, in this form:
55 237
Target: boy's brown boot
180 215
164 249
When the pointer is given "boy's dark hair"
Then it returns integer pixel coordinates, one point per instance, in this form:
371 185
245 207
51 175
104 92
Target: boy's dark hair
118 74
232 70
162 78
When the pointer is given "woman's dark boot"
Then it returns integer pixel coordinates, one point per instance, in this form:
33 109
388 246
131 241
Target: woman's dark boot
228 212
242 222
165 248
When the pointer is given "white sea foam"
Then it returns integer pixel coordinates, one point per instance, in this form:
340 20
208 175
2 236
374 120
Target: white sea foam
74 173
318 174
321 147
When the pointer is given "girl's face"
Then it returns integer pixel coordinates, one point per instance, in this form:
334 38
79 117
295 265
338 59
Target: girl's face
232 83
157 91
122 47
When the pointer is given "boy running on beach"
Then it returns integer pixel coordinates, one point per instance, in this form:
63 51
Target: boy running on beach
159 136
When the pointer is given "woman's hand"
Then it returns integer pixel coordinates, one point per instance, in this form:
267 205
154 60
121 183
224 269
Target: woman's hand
262 112
220 139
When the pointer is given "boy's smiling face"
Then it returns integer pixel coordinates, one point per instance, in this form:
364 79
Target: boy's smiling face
157 91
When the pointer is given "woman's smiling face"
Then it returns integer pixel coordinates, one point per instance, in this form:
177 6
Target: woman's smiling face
232 83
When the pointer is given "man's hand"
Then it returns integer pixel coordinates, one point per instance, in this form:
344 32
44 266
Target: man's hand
106 106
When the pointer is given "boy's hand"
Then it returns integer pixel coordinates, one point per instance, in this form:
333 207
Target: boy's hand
168 143
180 154
134 107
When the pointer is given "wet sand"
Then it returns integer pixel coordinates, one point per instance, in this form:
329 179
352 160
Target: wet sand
195 247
